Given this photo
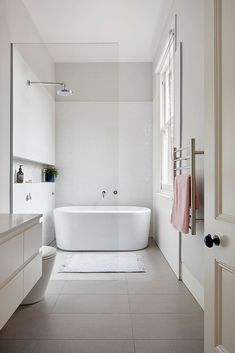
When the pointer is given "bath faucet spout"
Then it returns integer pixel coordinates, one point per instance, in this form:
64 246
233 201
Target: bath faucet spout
103 193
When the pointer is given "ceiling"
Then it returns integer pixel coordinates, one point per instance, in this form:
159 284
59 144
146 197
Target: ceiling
133 27
83 53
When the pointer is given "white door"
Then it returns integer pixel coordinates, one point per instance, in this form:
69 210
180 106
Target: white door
220 176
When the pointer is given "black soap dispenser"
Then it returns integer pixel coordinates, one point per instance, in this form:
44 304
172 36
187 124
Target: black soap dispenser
20 175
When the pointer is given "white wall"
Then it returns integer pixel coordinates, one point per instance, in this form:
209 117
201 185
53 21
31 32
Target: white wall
107 81
104 144
33 132
34 106
135 153
4 112
86 151
190 27
15 26
97 150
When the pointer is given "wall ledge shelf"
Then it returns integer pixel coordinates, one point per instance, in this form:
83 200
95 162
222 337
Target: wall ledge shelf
18 158
36 182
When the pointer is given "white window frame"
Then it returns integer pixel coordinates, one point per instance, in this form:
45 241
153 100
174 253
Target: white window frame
166 122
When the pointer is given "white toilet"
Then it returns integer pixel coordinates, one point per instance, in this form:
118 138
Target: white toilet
38 291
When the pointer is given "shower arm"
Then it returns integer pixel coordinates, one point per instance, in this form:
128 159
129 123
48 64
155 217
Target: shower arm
47 83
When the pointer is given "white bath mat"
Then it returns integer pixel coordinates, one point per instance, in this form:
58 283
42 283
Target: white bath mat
105 262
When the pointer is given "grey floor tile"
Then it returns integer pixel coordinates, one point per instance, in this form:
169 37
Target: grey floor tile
155 258
92 303
163 303
156 267
17 346
36 325
46 305
85 346
55 287
149 274
87 276
168 326
160 273
155 286
155 264
89 313
95 287
168 346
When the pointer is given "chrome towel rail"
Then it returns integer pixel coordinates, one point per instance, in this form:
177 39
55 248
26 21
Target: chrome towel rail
178 166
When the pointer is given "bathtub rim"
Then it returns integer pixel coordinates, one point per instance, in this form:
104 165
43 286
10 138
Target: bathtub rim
102 209
103 251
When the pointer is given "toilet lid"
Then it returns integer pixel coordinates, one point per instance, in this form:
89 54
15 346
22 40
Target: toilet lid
48 251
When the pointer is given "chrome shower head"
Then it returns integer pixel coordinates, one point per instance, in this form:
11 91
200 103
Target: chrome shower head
64 92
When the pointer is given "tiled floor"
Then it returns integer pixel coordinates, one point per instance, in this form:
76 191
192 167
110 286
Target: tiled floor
148 312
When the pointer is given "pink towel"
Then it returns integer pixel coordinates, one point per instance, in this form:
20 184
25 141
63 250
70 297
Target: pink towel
182 203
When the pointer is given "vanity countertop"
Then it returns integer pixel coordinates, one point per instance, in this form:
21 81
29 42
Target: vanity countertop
12 224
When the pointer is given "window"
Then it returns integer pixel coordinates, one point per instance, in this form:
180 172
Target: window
166 75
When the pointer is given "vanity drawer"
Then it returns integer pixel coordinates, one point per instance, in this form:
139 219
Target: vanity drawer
11 257
32 273
32 241
10 298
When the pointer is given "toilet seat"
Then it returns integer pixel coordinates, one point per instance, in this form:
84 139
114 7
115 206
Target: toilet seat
38 291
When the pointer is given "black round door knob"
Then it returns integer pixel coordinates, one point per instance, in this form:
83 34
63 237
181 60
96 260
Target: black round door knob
210 241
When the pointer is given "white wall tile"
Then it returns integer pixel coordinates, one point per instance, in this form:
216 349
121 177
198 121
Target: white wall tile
33 115
104 146
106 82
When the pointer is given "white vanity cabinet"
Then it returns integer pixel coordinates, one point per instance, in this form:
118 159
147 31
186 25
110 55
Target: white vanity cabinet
20 260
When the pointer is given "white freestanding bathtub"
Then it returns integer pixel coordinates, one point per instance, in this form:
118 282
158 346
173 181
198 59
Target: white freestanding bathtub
97 228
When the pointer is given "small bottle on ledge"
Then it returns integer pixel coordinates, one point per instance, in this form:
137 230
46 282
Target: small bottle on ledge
20 175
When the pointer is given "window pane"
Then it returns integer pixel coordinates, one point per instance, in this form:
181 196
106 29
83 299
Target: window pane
170 155
167 119
172 93
165 157
162 101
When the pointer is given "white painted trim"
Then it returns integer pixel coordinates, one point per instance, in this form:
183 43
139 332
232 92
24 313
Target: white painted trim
194 286
167 195
165 51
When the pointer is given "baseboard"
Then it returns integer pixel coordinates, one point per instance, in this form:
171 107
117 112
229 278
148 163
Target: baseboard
193 285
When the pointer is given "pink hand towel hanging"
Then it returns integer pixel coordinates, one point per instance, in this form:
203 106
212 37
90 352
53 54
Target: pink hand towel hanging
182 203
